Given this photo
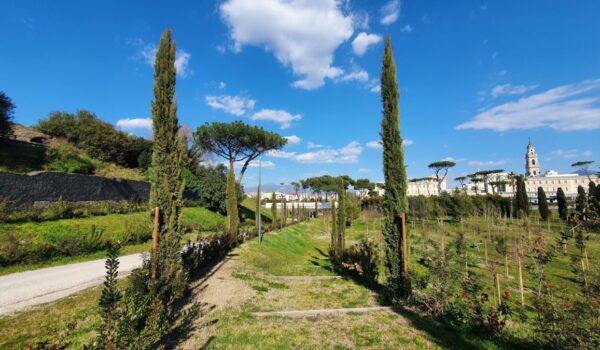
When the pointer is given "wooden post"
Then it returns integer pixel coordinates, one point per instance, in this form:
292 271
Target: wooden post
404 250
521 283
155 243
498 288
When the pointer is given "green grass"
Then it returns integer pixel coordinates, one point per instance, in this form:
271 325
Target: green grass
197 220
297 251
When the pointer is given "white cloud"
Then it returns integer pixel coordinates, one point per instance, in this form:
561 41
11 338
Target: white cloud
571 153
564 108
364 170
281 154
448 159
357 75
182 59
311 145
292 140
345 155
486 163
374 145
407 29
361 43
222 85
390 12
135 124
377 144
509 89
303 34
235 105
281 117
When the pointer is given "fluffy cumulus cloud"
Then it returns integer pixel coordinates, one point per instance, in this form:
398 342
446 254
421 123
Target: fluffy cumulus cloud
357 75
135 124
377 144
390 12
509 89
292 140
281 117
235 105
565 108
345 155
361 43
182 59
302 34
325 155
311 145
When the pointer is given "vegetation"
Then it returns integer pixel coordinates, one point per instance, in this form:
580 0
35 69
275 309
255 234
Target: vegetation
7 108
561 200
38 242
521 200
236 142
98 139
543 204
443 165
395 203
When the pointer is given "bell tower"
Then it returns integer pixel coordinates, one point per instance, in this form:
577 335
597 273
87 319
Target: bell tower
532 163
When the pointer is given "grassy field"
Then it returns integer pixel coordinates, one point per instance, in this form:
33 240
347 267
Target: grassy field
197 220
299 252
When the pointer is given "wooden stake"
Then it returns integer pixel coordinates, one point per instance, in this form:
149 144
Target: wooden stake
498 288
521 283
155 243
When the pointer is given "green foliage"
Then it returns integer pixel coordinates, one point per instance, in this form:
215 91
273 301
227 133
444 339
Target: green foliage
594 199
581 203
352 207
362 259
67 159
99 139
563 208
209 185
333 248
109 302
521 200
6 113
543 204
274 211
341 218
395 200
443 165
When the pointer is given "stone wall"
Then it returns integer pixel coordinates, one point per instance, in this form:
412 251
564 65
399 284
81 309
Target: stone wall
50 187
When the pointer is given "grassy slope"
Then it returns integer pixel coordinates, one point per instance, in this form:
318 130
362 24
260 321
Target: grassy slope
199 220
300 251
24 158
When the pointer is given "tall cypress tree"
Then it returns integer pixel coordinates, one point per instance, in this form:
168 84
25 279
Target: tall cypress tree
581 203
543 204
168 160
232 206
274 211
593 200
521 200
561 200
341 217
334 230
394 200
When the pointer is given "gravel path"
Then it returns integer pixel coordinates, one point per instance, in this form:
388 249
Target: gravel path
22 290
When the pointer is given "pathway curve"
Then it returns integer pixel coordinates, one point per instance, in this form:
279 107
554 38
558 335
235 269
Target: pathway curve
22 290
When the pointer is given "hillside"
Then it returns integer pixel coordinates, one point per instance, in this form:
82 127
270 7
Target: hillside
30 150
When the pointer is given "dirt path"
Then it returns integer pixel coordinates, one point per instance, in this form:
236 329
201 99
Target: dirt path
22 290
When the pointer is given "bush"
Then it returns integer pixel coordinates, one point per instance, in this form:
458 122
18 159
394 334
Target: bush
68 159
97 138
361 260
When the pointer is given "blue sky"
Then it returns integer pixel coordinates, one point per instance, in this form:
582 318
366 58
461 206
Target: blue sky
477 78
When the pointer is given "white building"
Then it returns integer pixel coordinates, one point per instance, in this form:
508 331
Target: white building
426 187
550 181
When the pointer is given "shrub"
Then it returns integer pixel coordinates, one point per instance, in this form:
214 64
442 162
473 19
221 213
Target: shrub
68 159
362 260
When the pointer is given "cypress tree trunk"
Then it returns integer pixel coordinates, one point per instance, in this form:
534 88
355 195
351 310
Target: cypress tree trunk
168 158
394 200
